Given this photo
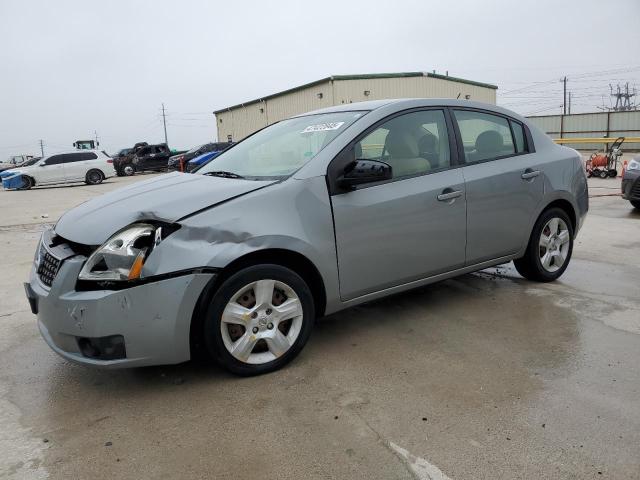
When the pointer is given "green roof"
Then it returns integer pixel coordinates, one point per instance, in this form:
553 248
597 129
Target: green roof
365 76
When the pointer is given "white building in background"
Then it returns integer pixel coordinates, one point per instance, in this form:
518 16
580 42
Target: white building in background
238 121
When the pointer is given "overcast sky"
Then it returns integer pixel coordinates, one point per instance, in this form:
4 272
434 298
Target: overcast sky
69 68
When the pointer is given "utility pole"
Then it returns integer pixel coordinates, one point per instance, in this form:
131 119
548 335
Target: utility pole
164 122
42 147
564 102
96 134
569 109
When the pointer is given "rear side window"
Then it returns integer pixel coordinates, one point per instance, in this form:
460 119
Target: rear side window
518 136
484 136
79 157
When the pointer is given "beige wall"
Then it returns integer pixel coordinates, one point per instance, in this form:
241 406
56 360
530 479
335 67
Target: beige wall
347 91
241 121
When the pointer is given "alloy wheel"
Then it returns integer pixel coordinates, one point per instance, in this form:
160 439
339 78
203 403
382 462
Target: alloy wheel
554 244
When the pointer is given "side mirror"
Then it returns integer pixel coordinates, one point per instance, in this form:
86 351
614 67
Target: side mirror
363 171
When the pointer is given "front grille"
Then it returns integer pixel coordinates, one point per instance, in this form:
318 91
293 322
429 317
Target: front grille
48 266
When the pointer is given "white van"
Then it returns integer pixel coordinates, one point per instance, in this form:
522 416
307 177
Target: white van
89 166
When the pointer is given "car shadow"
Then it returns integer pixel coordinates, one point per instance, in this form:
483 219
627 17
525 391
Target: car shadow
336 333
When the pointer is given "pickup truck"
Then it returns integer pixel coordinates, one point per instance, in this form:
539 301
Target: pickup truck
122 159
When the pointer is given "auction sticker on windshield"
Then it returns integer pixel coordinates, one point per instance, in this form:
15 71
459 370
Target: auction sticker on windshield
323 127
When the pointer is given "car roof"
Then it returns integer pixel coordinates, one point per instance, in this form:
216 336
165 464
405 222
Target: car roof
404 103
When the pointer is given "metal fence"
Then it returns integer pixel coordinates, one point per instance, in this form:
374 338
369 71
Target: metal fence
589 125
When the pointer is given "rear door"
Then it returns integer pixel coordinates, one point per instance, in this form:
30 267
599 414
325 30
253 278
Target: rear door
406 228
78 164
503 182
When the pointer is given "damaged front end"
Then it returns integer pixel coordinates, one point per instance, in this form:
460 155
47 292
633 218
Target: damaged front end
96 308
15 181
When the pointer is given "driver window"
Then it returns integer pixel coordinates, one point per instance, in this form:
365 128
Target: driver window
413 144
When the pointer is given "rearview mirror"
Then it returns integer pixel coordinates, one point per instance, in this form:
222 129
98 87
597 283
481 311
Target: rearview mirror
364 171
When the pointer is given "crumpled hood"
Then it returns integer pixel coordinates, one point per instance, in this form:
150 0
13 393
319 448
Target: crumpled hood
167 198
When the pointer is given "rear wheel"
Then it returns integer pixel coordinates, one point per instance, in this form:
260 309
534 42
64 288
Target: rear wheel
604 174
635 203
550 246
94 177
259 319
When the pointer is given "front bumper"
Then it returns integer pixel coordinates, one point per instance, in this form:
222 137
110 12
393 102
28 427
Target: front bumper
154 318
631 185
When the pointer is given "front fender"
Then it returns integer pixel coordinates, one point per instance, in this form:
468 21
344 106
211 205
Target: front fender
294 215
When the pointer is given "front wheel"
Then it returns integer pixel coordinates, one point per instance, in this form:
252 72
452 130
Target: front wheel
549 249
259 319
27 183
128 170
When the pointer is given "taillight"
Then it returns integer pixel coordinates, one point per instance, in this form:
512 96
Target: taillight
110 160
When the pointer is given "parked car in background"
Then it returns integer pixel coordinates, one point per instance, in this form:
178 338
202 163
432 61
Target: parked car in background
151 158
15 161
631 183
205 158
179 162
89 166
122 153
9 172
122 161
306 217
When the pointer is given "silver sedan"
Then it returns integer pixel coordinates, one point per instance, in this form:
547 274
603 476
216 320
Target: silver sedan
308 216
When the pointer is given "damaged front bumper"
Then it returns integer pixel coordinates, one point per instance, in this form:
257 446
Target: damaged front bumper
147 324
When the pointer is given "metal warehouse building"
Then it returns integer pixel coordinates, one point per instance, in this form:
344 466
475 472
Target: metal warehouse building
592 125
238 121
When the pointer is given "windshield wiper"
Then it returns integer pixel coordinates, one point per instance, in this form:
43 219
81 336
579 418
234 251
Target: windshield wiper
223 174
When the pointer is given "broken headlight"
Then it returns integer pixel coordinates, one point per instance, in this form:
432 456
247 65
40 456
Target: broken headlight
122 256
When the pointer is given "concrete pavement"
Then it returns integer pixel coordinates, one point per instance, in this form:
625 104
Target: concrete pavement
483 376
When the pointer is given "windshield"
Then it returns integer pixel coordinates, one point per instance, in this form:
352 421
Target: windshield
195 149
31 161
281 149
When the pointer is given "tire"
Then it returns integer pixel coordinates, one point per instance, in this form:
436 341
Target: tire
635 203
128 170
28 184
603 174
613 173
270 340
94 177
541 263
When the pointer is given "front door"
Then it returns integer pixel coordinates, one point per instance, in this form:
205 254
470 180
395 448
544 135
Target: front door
52 170
504 184
407 228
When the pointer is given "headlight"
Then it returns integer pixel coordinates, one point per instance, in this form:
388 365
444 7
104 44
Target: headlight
633 165
122 256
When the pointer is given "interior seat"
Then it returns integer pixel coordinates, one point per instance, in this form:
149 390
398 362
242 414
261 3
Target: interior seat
428 148
488 144
404 154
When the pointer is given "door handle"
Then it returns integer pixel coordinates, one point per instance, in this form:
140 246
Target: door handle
449 194
529 174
